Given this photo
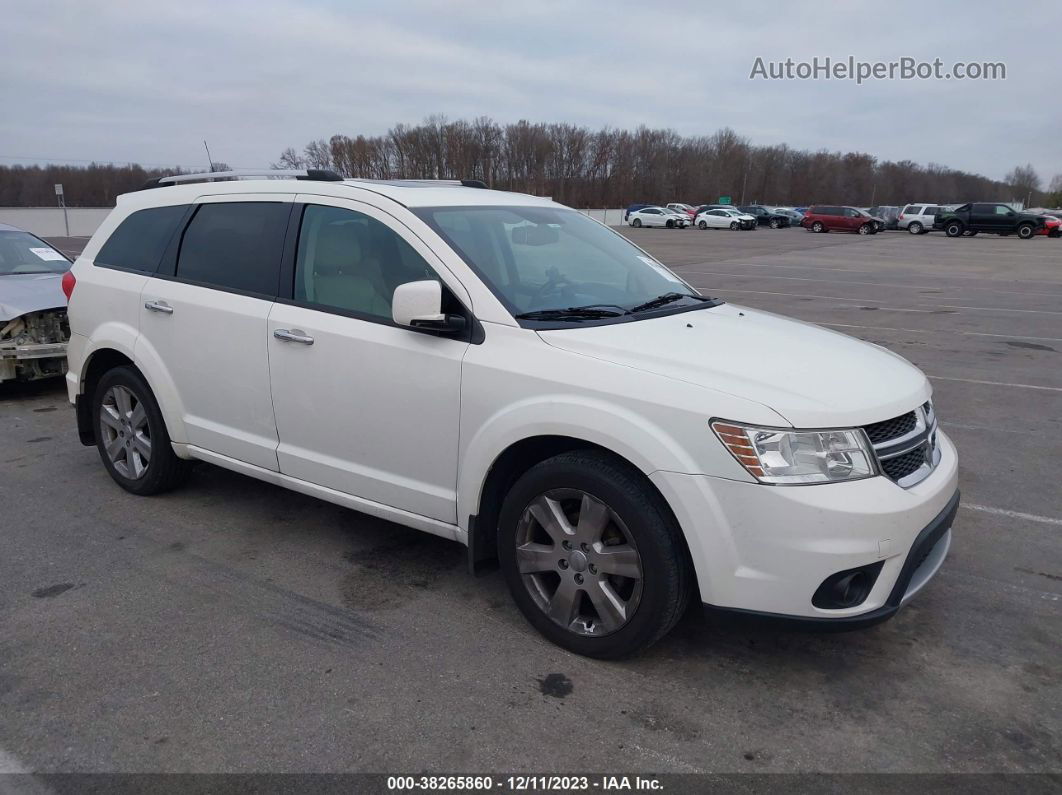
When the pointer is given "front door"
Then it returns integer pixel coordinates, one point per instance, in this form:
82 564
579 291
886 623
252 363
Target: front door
364 406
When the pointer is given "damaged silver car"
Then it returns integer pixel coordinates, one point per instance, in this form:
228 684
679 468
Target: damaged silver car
33 324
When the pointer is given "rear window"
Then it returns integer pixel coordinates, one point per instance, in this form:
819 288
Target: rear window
141 239
235 246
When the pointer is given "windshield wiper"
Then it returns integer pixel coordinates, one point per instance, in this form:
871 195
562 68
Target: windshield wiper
664 300
588 312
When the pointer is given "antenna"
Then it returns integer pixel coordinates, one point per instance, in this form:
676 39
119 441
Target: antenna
209 159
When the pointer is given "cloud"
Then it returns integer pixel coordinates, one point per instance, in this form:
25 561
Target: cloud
147 81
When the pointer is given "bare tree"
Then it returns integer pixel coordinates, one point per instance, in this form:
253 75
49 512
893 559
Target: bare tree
1024 181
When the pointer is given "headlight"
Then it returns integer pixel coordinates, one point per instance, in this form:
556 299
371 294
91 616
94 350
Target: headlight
795 457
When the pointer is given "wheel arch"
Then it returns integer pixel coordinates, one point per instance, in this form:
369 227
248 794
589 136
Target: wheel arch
509 465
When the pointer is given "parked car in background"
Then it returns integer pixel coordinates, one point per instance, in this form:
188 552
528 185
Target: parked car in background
688 210
657 216
1052 226
831 218
765 217
33 323
501 371
993 218
631 208
918 218
794 216
724 218
888 213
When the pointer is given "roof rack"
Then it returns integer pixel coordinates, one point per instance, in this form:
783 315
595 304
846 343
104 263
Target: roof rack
427 183
314 174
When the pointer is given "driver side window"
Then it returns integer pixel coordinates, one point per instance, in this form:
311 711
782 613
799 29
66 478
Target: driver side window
350 262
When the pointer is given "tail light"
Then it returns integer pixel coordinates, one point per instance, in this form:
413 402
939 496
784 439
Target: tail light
901 216
68 284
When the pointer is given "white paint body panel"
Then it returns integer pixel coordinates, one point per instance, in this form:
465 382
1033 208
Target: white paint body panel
406 426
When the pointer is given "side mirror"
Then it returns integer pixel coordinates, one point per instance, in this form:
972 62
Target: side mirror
418 305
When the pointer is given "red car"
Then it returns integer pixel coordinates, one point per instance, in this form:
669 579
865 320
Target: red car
826 218
1052 227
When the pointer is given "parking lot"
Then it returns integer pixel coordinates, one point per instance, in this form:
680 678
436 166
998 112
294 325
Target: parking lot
235 626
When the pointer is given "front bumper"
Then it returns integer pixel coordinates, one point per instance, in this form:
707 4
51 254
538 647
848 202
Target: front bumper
767 549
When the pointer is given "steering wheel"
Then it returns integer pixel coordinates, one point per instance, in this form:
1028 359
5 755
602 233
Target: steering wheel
556 284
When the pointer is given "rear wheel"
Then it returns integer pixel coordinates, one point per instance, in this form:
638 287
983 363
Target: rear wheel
954 229
702 225
636 222
131 435
592 556
775 223
915 228
1026 231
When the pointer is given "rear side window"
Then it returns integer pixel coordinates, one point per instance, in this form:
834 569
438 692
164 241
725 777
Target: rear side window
235 246
913 209
141 239
933 211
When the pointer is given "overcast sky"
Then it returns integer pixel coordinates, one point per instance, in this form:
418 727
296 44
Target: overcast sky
147 81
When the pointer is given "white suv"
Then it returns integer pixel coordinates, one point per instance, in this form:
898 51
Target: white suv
503 371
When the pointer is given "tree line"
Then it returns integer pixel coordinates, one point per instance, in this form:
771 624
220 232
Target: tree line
611 167
583 168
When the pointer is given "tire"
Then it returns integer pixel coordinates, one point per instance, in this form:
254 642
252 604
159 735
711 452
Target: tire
124 408
818 226
632 515
866 229
1026 231
915 228
954 229
636 222
775 223
670 224
734 225
702 225
1055 233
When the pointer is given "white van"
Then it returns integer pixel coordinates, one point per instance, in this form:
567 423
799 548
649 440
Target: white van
505 372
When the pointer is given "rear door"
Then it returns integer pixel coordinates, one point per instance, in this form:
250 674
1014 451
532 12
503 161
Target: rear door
203 320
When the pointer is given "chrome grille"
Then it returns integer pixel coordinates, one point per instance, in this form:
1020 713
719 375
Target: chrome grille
906 446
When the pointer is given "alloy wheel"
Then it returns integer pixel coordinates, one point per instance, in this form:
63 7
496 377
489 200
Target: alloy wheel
579 562
125 432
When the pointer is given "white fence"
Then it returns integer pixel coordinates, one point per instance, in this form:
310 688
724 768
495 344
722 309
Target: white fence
48 221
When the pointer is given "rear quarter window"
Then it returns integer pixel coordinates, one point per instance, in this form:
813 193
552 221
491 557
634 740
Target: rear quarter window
141 239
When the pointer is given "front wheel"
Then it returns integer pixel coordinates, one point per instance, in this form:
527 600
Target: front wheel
131 435
866 229
702 225
636 222
592 556
818 226
733 226
1026 231
915 228
954 229
670 224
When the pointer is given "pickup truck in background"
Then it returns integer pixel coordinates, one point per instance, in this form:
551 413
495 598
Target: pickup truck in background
991 217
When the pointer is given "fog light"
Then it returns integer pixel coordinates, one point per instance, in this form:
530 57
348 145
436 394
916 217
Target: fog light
847 588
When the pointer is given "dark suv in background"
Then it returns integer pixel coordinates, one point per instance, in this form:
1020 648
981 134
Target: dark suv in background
992 217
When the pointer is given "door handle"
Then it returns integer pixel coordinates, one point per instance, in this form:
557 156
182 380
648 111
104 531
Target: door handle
158 306
293 335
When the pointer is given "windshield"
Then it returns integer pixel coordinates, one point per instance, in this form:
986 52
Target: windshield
541 259
21 252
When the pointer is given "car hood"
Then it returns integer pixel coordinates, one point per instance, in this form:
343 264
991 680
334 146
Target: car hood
21 293
814 377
